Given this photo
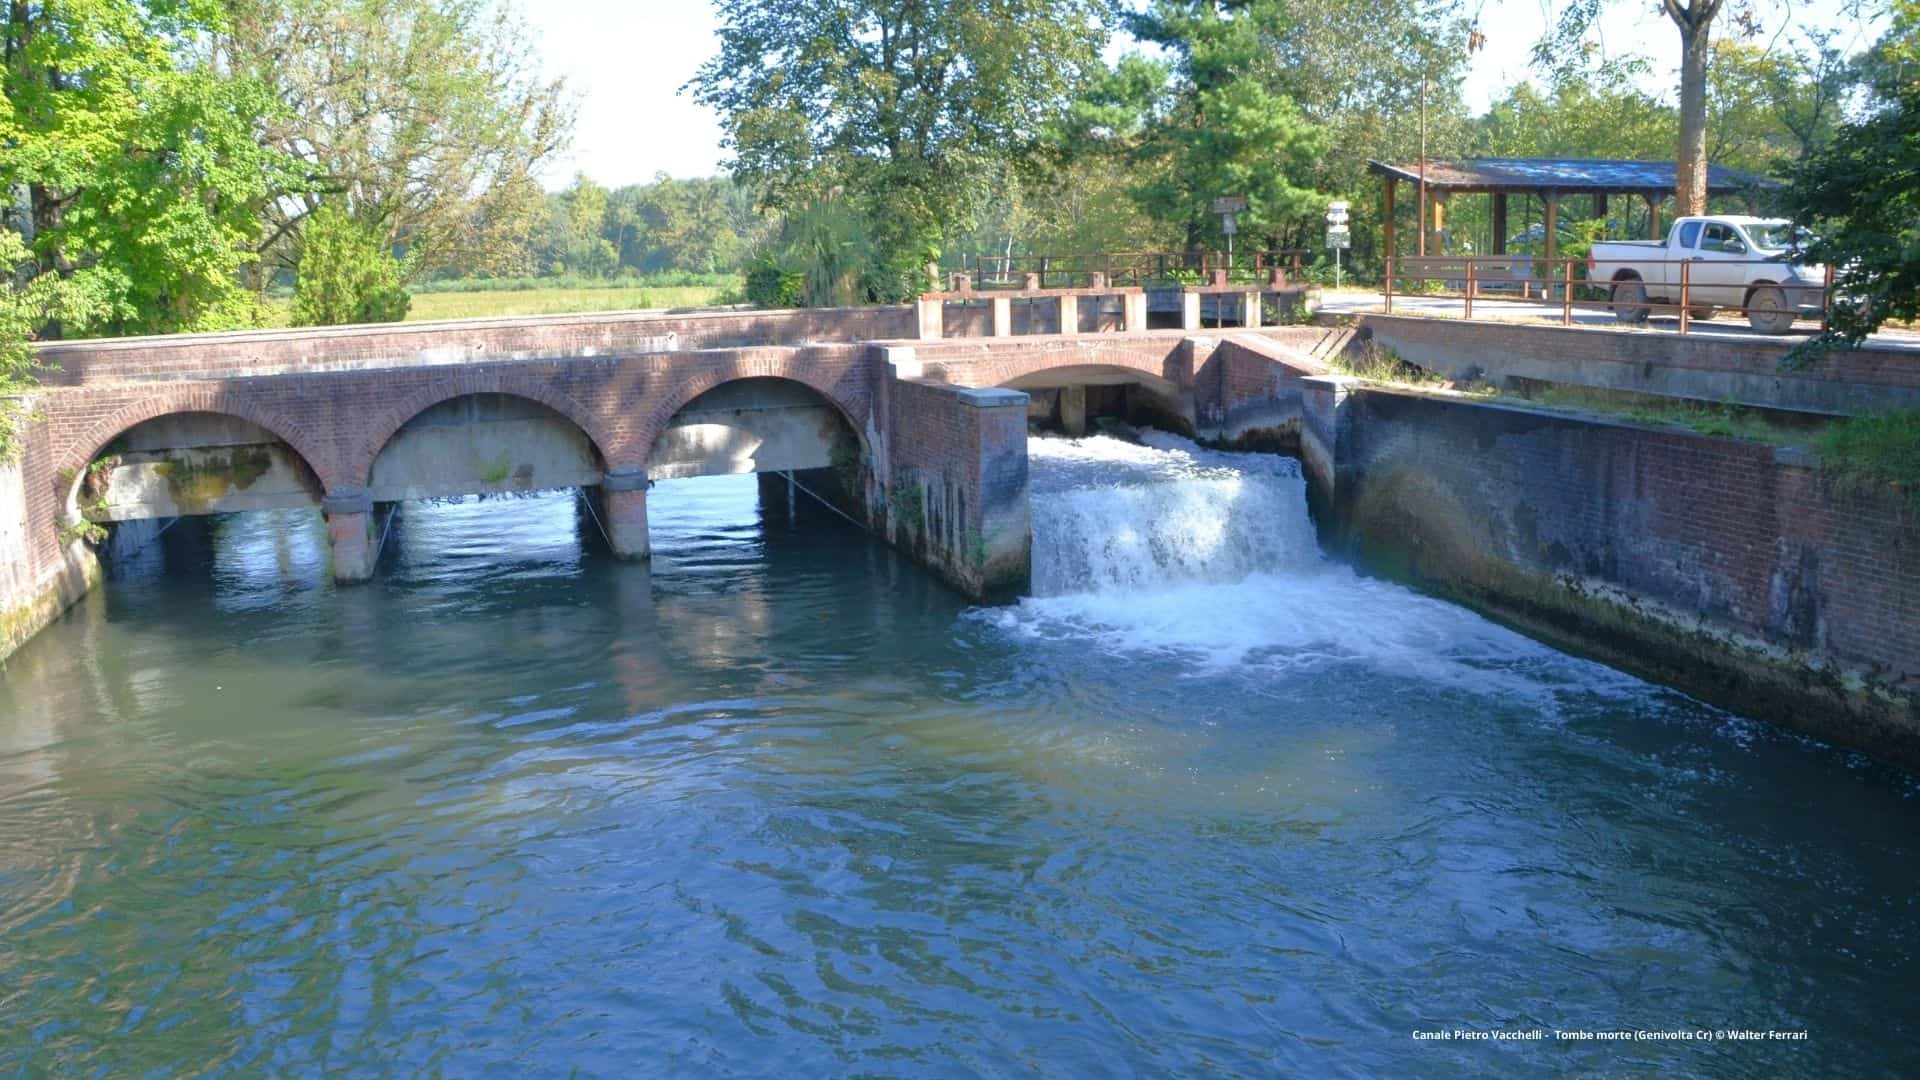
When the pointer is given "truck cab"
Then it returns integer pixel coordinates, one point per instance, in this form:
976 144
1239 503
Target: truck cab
1724 261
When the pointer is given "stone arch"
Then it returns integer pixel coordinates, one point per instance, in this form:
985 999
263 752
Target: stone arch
752 366
195 399
382 430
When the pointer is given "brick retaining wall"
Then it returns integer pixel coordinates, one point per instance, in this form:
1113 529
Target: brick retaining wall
1732 570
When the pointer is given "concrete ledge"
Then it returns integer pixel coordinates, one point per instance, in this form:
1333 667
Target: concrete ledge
992 397
349 500
626 478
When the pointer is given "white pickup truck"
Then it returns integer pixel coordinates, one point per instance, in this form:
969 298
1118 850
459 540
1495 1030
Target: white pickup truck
1731 262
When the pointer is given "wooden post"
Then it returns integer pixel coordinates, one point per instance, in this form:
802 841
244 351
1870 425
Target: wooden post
1600 207
1499 223
1422 200
1469 286
1440 222
1653 218
1685 299
1388 218
1566 294
1552 223
1388 285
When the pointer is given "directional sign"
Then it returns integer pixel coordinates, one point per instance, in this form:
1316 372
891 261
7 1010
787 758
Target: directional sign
1337 212
1229 204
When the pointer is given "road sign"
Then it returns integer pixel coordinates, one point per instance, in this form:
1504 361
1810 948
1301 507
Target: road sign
1229 204
1338 237
1337 212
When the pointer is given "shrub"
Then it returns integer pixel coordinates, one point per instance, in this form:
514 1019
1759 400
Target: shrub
346 274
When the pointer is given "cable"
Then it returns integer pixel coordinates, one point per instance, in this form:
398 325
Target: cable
788 473
597 523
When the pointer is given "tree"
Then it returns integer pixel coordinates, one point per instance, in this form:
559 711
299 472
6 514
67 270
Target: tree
1584 111
134 165
900 110
1217 126
579 243
1695 20
346 273
1862 192
427 116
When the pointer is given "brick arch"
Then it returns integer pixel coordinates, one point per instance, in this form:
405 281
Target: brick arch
999 372
196 399
381 430
783 366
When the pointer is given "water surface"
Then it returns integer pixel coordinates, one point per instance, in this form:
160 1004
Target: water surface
778 803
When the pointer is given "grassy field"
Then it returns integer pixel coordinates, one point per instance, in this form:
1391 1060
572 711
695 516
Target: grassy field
473 305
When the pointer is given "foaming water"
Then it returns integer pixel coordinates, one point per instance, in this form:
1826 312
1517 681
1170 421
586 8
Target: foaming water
777 803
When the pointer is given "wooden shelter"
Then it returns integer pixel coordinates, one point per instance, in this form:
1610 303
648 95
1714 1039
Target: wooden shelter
1551 179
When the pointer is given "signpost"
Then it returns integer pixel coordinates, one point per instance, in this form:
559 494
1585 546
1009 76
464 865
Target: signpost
1339 238
1227 206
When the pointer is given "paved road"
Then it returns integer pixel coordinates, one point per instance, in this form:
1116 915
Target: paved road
1725 326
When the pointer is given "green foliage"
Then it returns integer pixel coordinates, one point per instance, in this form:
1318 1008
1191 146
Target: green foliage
769 285
1861 195
1221 125
899 114
346 274
430 117
136 164
1864 453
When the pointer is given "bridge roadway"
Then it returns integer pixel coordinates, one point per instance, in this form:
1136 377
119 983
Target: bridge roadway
925 440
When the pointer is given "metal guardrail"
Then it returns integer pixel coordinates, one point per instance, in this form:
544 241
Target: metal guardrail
1470 277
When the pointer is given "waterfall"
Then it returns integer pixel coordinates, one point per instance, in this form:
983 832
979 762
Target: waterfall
1109 516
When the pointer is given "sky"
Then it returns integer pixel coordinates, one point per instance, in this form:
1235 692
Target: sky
625 61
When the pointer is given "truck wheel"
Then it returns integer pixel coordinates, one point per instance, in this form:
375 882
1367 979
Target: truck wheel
1767 311
1630 301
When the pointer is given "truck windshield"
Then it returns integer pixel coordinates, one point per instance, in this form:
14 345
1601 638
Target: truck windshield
1779 236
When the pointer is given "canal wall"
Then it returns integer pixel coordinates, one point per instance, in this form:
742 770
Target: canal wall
1734 367
1734 571
40 576
953 480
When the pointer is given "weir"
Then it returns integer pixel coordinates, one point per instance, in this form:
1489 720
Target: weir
1792 599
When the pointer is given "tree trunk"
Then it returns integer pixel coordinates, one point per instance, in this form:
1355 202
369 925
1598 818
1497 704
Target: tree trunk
1690 175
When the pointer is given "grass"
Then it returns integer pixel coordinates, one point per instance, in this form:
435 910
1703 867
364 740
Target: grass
1864 453
1382 365
1720 419
556 301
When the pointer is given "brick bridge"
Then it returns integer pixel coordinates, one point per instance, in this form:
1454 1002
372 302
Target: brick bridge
922 439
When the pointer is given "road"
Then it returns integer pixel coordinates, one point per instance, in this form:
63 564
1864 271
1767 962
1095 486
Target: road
1727 325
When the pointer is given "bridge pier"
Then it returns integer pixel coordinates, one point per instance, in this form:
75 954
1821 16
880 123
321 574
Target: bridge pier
350 535
1189 310
621 502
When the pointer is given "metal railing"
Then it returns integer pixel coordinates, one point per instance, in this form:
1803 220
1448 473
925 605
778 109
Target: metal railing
1576 284
1132 269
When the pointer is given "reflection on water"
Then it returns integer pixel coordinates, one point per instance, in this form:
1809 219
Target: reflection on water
778 803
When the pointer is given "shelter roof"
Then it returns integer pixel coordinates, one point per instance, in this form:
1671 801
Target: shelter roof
1541 175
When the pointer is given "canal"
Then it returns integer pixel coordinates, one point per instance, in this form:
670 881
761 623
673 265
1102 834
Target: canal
1207 803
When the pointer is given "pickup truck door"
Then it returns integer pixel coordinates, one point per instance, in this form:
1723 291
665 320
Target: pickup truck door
1718 271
